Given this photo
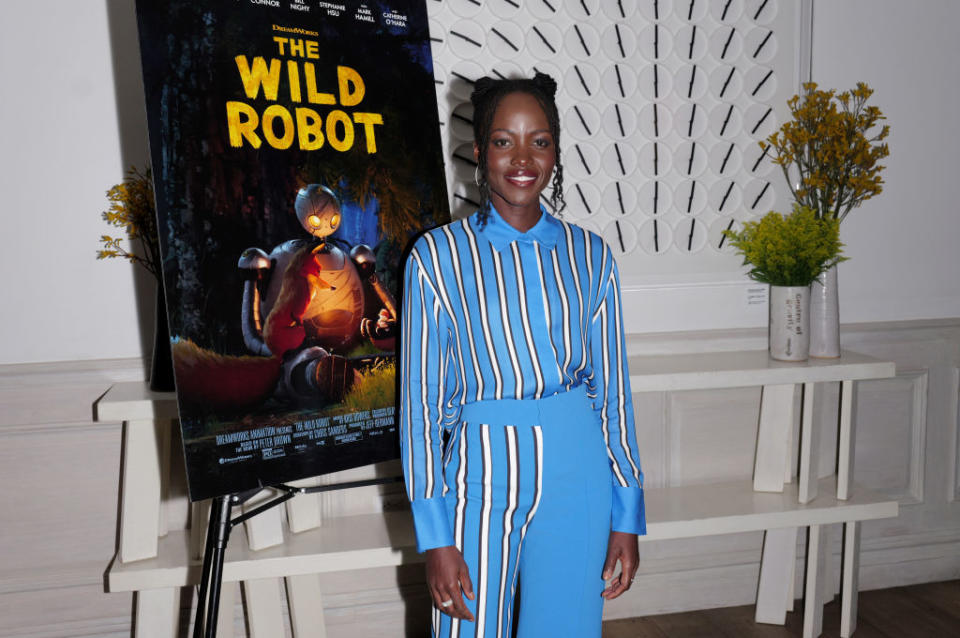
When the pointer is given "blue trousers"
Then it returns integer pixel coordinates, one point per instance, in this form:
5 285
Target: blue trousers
529 499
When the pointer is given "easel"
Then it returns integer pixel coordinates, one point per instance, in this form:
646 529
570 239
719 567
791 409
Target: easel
218 535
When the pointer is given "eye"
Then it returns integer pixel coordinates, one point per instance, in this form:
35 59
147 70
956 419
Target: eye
499 142
543 142
313 220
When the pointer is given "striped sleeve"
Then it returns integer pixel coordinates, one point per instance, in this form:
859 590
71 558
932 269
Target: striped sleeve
422 352
611 381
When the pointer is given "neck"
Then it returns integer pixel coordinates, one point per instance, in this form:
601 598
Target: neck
521 218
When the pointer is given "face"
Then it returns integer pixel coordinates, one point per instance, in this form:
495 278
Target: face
521 155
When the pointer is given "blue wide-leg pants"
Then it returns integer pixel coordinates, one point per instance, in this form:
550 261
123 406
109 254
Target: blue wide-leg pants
529 497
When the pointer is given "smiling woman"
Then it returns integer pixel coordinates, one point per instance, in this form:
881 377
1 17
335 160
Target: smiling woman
517 433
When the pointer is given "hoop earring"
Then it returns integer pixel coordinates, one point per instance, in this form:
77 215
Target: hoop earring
476 174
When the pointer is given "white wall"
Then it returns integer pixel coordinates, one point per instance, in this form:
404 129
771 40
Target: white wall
66 141
902 245
62 148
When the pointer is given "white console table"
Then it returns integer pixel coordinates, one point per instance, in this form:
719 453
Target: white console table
155 563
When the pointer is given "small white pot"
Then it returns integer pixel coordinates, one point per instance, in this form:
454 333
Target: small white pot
789 331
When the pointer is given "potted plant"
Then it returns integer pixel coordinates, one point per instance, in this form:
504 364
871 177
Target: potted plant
829 153
133 210
789 252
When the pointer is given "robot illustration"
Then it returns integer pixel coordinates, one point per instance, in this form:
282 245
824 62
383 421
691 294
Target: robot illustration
310 301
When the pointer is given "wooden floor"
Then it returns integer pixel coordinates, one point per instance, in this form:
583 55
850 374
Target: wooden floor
931 610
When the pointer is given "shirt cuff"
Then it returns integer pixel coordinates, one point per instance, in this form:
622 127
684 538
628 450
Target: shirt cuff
431 523
628 513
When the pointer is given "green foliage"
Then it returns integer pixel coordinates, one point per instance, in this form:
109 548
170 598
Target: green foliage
375 389
789 250
132 209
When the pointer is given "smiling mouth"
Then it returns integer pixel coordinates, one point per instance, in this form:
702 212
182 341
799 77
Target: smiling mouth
524 179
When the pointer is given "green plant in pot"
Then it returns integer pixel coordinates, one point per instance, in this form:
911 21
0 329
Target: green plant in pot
829 152
133 210
789 252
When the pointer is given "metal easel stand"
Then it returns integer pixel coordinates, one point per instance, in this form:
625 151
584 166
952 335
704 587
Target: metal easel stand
218 535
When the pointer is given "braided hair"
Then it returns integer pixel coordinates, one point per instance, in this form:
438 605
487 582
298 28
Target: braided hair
485 98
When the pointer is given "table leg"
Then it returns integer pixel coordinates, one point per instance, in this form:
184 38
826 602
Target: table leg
306 606
158 613
809 448
303 510
813 598
264 608
851 577
775 591
142 484
845 450
773 437
265 529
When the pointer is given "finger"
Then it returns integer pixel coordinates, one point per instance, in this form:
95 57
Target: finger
465 582
609 566
617 587
459 608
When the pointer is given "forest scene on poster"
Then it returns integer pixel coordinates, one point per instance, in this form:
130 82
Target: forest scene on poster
296 151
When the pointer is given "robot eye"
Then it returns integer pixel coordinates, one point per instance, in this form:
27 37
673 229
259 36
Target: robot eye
314 221
335 221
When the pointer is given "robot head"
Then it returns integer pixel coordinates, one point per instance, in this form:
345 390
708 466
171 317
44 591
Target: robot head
318 210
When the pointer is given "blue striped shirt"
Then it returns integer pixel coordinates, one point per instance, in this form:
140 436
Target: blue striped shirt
493 313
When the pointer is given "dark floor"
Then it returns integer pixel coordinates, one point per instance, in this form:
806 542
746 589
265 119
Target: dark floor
931 610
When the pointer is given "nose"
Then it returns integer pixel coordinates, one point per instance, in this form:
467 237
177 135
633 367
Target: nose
521 156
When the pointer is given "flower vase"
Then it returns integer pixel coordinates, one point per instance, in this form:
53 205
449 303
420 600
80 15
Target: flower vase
161 365
789 329
825 316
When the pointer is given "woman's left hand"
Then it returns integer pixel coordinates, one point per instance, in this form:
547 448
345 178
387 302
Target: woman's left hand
624 547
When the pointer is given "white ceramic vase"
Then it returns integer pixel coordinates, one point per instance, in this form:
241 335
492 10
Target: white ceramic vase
825 316
789 330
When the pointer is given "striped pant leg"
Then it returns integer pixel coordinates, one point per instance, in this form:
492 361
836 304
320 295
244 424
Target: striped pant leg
565 547
494 474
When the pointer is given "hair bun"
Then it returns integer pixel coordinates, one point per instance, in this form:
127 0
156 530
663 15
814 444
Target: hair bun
482 87
545 83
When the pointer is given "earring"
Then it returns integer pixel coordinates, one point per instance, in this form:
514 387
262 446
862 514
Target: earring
476 174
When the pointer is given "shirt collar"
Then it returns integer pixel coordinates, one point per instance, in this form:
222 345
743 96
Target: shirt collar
501 234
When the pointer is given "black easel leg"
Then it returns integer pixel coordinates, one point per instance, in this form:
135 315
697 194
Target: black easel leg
219 516
222 536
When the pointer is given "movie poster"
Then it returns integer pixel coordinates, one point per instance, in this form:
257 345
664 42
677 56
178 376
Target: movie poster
295 152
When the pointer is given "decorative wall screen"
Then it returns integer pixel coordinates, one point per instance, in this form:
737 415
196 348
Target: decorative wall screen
662 104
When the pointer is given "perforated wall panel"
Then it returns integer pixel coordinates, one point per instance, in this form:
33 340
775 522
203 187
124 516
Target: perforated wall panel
662 105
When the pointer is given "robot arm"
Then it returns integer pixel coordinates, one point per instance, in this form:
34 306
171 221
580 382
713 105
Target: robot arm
385 324
254 263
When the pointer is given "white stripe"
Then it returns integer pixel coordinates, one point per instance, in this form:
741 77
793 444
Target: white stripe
525 318
507 333
408 422
484 313
434 257
484 540
538 490
546 312
566 320
604 393
460 518
621 390
455 260
584 313
512 498
427 434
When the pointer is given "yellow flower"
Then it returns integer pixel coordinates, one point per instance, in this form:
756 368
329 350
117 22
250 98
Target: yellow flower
826 151
133 209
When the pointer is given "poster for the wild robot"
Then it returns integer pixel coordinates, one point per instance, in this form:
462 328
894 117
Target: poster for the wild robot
295 151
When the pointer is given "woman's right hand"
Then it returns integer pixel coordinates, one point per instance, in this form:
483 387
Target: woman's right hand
447 575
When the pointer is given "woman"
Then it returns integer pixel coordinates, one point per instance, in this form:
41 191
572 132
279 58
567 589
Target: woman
517 432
